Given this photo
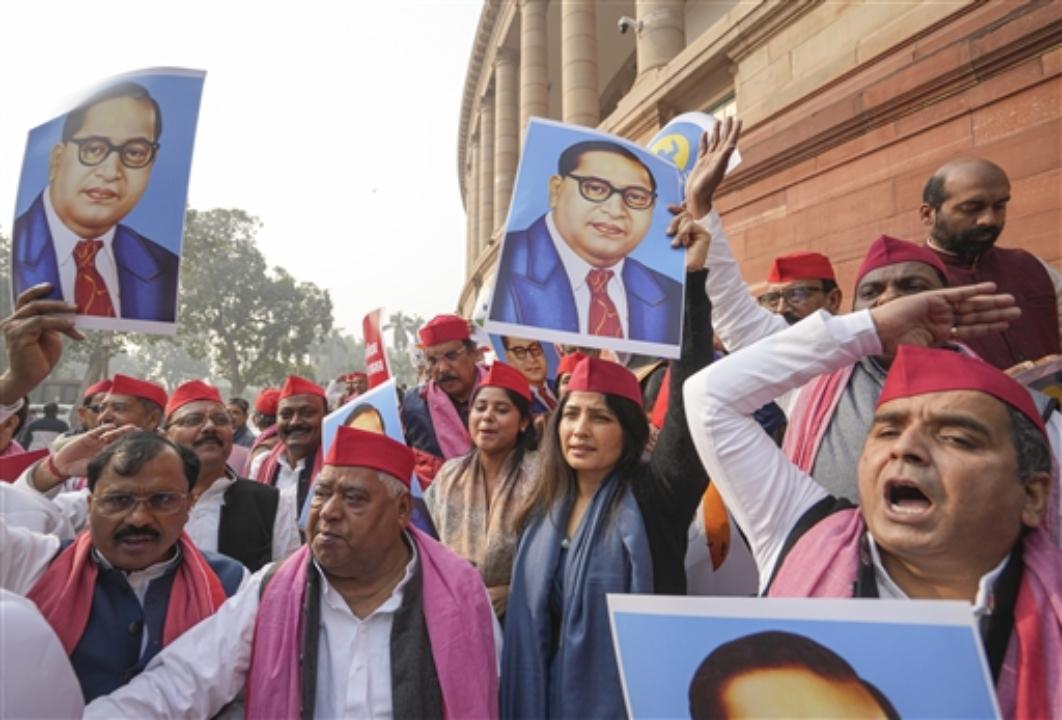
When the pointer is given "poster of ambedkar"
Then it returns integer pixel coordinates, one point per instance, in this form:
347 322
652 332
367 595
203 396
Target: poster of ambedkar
714 657
586 260
100 208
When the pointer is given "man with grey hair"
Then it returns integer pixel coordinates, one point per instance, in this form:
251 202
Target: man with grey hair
370 618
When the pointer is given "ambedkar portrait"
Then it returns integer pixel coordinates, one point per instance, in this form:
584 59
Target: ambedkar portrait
76 231
574 268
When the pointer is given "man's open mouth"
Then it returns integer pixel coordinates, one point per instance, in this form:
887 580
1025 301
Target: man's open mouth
906 498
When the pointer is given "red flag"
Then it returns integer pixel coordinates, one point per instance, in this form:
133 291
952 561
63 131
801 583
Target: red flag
375 354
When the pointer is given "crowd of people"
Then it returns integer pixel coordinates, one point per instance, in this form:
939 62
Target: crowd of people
155 560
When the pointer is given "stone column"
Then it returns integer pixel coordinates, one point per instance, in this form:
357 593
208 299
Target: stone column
506 131
473 203
663 33
580 102
534 62
486 170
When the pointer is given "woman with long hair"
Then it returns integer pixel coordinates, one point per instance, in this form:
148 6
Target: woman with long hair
474 500
602 521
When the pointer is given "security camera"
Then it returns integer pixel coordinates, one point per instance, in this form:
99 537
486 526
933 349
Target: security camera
626 23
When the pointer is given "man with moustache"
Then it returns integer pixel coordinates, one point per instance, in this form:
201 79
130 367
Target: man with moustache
371 618
800 283
134 581
71 236
245 520
294 462
435 415
964 205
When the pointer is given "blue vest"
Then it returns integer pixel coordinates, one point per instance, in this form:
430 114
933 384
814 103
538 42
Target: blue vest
108 654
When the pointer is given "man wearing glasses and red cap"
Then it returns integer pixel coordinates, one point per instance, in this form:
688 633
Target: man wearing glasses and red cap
435 415
71 235
800 283
954 479
371 618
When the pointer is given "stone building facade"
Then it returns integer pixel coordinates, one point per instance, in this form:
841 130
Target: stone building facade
848 108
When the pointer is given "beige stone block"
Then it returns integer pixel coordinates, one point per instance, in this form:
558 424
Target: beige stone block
915 18
805 27
754 89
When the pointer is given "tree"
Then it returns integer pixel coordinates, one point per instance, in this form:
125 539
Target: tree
251 324
401 327
336 354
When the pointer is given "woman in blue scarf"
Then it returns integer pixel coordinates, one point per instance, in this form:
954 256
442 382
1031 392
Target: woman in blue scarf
602 521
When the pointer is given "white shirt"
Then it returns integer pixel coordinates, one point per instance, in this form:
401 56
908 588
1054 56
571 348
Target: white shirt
64 240
39 681
205 519
765 493
287 476
577 269
204 669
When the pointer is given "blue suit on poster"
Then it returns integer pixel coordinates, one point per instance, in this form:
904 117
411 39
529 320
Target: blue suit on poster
532 288
147 272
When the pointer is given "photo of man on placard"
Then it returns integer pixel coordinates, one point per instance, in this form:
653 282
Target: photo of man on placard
571 269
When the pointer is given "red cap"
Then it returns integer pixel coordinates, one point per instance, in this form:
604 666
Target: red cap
101 387
125 385
568 362
296 385
597 375
508 377
360 448
443 328
919 370
267 401
890 251
192 391
800 266
352 376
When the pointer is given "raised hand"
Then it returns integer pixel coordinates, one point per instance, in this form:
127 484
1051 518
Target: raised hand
931 318
688 234
32 338
73 458
713 156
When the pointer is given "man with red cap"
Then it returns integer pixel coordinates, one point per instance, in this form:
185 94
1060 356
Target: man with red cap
88 412
371 618
265 419
435 415
294 462
964 206
133 581
953 480
800 283
246 520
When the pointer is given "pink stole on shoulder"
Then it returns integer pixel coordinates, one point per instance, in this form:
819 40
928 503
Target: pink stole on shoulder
268 469
456 612
810 415
450 432
825 563
64 593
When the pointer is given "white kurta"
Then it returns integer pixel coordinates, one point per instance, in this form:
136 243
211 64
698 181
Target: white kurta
765 493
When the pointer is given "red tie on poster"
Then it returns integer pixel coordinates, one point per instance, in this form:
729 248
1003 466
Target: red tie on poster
375 355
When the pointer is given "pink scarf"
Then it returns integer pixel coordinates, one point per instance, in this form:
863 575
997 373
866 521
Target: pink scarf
456 612
450 432
810 416
825 563
64 593
268 469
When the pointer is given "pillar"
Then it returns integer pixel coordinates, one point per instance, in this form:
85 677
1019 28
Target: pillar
486 170
534 62
506 131
663 33
580 102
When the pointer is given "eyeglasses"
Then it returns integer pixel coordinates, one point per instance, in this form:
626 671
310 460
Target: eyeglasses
192 420
163 503
522 351
134 154
451 357
597 190
794 296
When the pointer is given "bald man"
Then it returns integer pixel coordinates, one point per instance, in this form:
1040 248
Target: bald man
964 205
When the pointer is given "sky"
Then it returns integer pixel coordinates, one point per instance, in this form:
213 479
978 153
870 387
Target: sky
334 122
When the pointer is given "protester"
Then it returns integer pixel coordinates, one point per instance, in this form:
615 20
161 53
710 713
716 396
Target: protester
800 283
603 521
370 619
245 520
474 500
264 418
294 462
956 450
435 415
41 432
134 581
964 205
242 435
565 367
88 411
9 428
